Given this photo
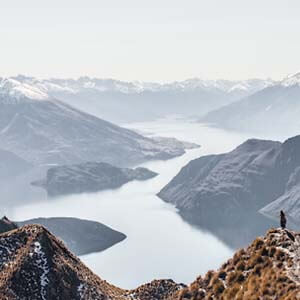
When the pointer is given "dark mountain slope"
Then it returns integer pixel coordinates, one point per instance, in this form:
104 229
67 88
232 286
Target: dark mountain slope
227 184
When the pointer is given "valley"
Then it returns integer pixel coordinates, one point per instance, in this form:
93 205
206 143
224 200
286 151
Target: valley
153 228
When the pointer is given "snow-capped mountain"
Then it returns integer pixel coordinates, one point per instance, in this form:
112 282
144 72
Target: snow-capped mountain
272 112
121 101
291 80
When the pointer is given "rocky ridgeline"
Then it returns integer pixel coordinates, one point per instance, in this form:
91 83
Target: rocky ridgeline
268 269
34 264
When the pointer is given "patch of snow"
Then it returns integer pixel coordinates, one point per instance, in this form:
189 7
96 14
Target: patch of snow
42 263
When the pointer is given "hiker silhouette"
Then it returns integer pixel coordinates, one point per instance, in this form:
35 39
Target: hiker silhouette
282 220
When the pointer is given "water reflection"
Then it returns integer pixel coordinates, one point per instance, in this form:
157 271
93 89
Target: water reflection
236 232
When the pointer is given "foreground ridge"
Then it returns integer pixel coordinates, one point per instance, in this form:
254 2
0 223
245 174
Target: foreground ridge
36 265
268 269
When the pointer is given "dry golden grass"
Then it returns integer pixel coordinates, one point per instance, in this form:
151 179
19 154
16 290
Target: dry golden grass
262 271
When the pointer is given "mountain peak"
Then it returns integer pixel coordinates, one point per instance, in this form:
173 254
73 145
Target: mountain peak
21 87
36 265
291 80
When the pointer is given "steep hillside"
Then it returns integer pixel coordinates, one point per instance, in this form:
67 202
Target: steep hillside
11 165
36 265
227 184
255 174
89 177
45 131
267 269
272 111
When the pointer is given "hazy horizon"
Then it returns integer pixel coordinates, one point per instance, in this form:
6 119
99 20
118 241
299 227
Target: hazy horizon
145 81
150 41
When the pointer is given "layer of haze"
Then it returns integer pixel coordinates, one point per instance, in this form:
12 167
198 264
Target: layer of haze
150 40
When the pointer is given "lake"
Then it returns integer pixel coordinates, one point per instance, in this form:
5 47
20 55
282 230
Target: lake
159 243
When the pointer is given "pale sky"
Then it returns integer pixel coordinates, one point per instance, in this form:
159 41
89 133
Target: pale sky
150 40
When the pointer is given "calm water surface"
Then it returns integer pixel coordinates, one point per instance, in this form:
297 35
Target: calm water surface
159 243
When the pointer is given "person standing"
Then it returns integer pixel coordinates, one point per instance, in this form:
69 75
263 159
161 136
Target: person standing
282 219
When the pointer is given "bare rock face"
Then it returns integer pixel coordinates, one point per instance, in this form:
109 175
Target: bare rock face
89 177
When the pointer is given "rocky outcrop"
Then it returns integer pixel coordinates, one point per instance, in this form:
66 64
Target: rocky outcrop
89 177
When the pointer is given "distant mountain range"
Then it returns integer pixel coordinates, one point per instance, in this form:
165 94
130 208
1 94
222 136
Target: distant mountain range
273 111
119 101
257 175
34 264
